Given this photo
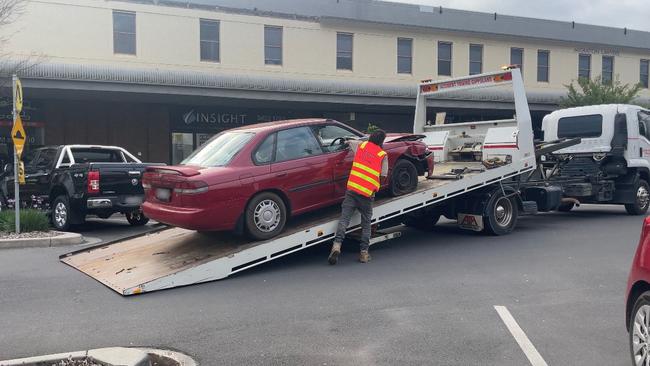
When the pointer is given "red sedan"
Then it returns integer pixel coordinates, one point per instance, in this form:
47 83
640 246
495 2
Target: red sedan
254 178
637 309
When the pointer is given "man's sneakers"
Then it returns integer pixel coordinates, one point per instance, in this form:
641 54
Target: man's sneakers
364 256
334 254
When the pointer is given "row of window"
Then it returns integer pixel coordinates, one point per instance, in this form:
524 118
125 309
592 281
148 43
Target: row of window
124 42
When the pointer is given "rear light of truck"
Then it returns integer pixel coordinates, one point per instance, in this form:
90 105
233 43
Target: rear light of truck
93 181
191 187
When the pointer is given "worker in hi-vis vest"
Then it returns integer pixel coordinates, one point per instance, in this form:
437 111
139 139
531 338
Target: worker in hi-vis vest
370 163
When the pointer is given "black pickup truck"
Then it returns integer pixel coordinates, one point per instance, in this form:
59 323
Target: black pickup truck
73 181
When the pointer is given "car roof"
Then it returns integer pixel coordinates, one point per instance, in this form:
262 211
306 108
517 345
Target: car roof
593 109
277 125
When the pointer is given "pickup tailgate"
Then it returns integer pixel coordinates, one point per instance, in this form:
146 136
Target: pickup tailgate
120 179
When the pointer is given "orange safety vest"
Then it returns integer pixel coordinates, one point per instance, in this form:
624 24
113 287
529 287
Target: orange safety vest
366 168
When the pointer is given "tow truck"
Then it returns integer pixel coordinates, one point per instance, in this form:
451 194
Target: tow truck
484 190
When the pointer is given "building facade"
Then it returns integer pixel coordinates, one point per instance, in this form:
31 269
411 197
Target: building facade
161 77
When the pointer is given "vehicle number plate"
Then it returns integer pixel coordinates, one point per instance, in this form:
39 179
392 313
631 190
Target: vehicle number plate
163 194
133 200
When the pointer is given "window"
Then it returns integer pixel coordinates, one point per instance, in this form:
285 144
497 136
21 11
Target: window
404 55
209 30
475 59
41 158
220 150
296 143
272 45
124 32
608 69
584 66
444 58
264 153
517 58
580 126
328 134
94 155
343 51
543 61
645 66
644 124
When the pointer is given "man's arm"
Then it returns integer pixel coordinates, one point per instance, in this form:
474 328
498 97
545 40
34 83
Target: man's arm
384 168
354 145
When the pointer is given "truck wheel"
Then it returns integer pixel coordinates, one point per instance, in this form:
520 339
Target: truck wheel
501 215
404 178
137 218
266 215
641 200
422 221
61 213
566 207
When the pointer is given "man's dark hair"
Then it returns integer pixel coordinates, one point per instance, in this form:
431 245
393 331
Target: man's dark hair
377 137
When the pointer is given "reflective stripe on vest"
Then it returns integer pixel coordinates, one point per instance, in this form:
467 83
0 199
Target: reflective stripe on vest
366 169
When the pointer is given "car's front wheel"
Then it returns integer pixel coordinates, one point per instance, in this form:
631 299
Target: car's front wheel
639 336
266 215
404 178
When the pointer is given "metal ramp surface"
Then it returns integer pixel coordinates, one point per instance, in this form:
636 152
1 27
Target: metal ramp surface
177 257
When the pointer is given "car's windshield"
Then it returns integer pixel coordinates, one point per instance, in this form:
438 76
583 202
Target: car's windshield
40 158
219 150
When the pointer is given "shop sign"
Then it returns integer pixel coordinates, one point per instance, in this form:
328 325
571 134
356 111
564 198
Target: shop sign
599 51
205 118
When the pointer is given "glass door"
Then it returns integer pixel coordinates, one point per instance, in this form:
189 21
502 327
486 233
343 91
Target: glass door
182 146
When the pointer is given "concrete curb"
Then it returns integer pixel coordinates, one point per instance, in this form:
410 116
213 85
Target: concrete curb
55 241
113 356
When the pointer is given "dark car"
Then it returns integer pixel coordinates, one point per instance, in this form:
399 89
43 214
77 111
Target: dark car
74 181
254 178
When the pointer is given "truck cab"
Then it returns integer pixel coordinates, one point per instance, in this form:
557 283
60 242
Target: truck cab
611 164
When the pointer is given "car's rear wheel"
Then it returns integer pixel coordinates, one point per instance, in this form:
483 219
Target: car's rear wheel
422 220
404 178
641 201
639 335
266 215
137 218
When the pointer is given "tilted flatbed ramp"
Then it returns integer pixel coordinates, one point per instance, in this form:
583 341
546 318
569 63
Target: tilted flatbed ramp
178 257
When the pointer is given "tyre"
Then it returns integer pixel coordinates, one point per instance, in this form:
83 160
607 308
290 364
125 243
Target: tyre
137 218
404 178
566 207
501 214
639 334
641 201
266 215
61 213
422 221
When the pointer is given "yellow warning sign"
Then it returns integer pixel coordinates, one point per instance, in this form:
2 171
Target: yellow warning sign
18 96
18 136
21 172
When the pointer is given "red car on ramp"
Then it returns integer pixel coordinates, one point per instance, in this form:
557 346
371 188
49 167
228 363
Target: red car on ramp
254 178
637 310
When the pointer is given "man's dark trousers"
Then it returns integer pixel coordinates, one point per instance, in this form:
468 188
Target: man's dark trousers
352 202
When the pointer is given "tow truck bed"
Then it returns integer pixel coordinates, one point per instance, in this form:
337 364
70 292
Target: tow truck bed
176 257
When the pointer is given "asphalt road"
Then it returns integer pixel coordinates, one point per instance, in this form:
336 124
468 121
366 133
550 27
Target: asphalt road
427 298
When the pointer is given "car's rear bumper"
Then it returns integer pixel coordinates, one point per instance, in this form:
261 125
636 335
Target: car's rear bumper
201 219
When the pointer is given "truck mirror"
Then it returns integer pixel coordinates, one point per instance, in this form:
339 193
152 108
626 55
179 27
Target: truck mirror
7 168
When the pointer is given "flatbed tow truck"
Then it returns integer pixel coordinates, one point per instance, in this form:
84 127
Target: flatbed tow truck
486 193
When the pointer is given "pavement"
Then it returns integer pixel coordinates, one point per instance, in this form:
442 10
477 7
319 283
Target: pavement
426 298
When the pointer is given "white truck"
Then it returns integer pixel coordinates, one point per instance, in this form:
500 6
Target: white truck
610 165
485 190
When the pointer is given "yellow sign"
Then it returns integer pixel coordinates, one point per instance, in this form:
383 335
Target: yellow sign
18 96
18 136
21 172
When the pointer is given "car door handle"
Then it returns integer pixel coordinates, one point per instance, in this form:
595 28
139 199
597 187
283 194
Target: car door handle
280 175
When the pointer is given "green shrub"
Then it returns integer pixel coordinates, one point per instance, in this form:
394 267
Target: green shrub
30 220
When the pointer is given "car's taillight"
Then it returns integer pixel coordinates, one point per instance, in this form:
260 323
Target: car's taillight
646 228
191 187
93 181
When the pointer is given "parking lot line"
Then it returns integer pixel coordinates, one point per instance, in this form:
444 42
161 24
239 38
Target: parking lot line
526 345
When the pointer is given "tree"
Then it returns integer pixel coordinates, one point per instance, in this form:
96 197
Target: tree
10 12
590 92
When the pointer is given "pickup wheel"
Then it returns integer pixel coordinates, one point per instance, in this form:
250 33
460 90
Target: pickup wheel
137 218
266 215
501 214
61 213
641 199
404 178
566 207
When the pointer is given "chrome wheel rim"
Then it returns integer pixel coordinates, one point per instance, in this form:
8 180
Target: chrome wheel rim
60 214
503 211
641 336
643 197
267 216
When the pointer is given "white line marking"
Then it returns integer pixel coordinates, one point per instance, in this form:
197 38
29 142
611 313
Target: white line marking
529 349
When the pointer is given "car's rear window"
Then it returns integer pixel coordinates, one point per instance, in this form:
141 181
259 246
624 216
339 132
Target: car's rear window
219 150
95 155
580 126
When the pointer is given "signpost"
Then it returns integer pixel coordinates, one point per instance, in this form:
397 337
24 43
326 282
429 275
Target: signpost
18 136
